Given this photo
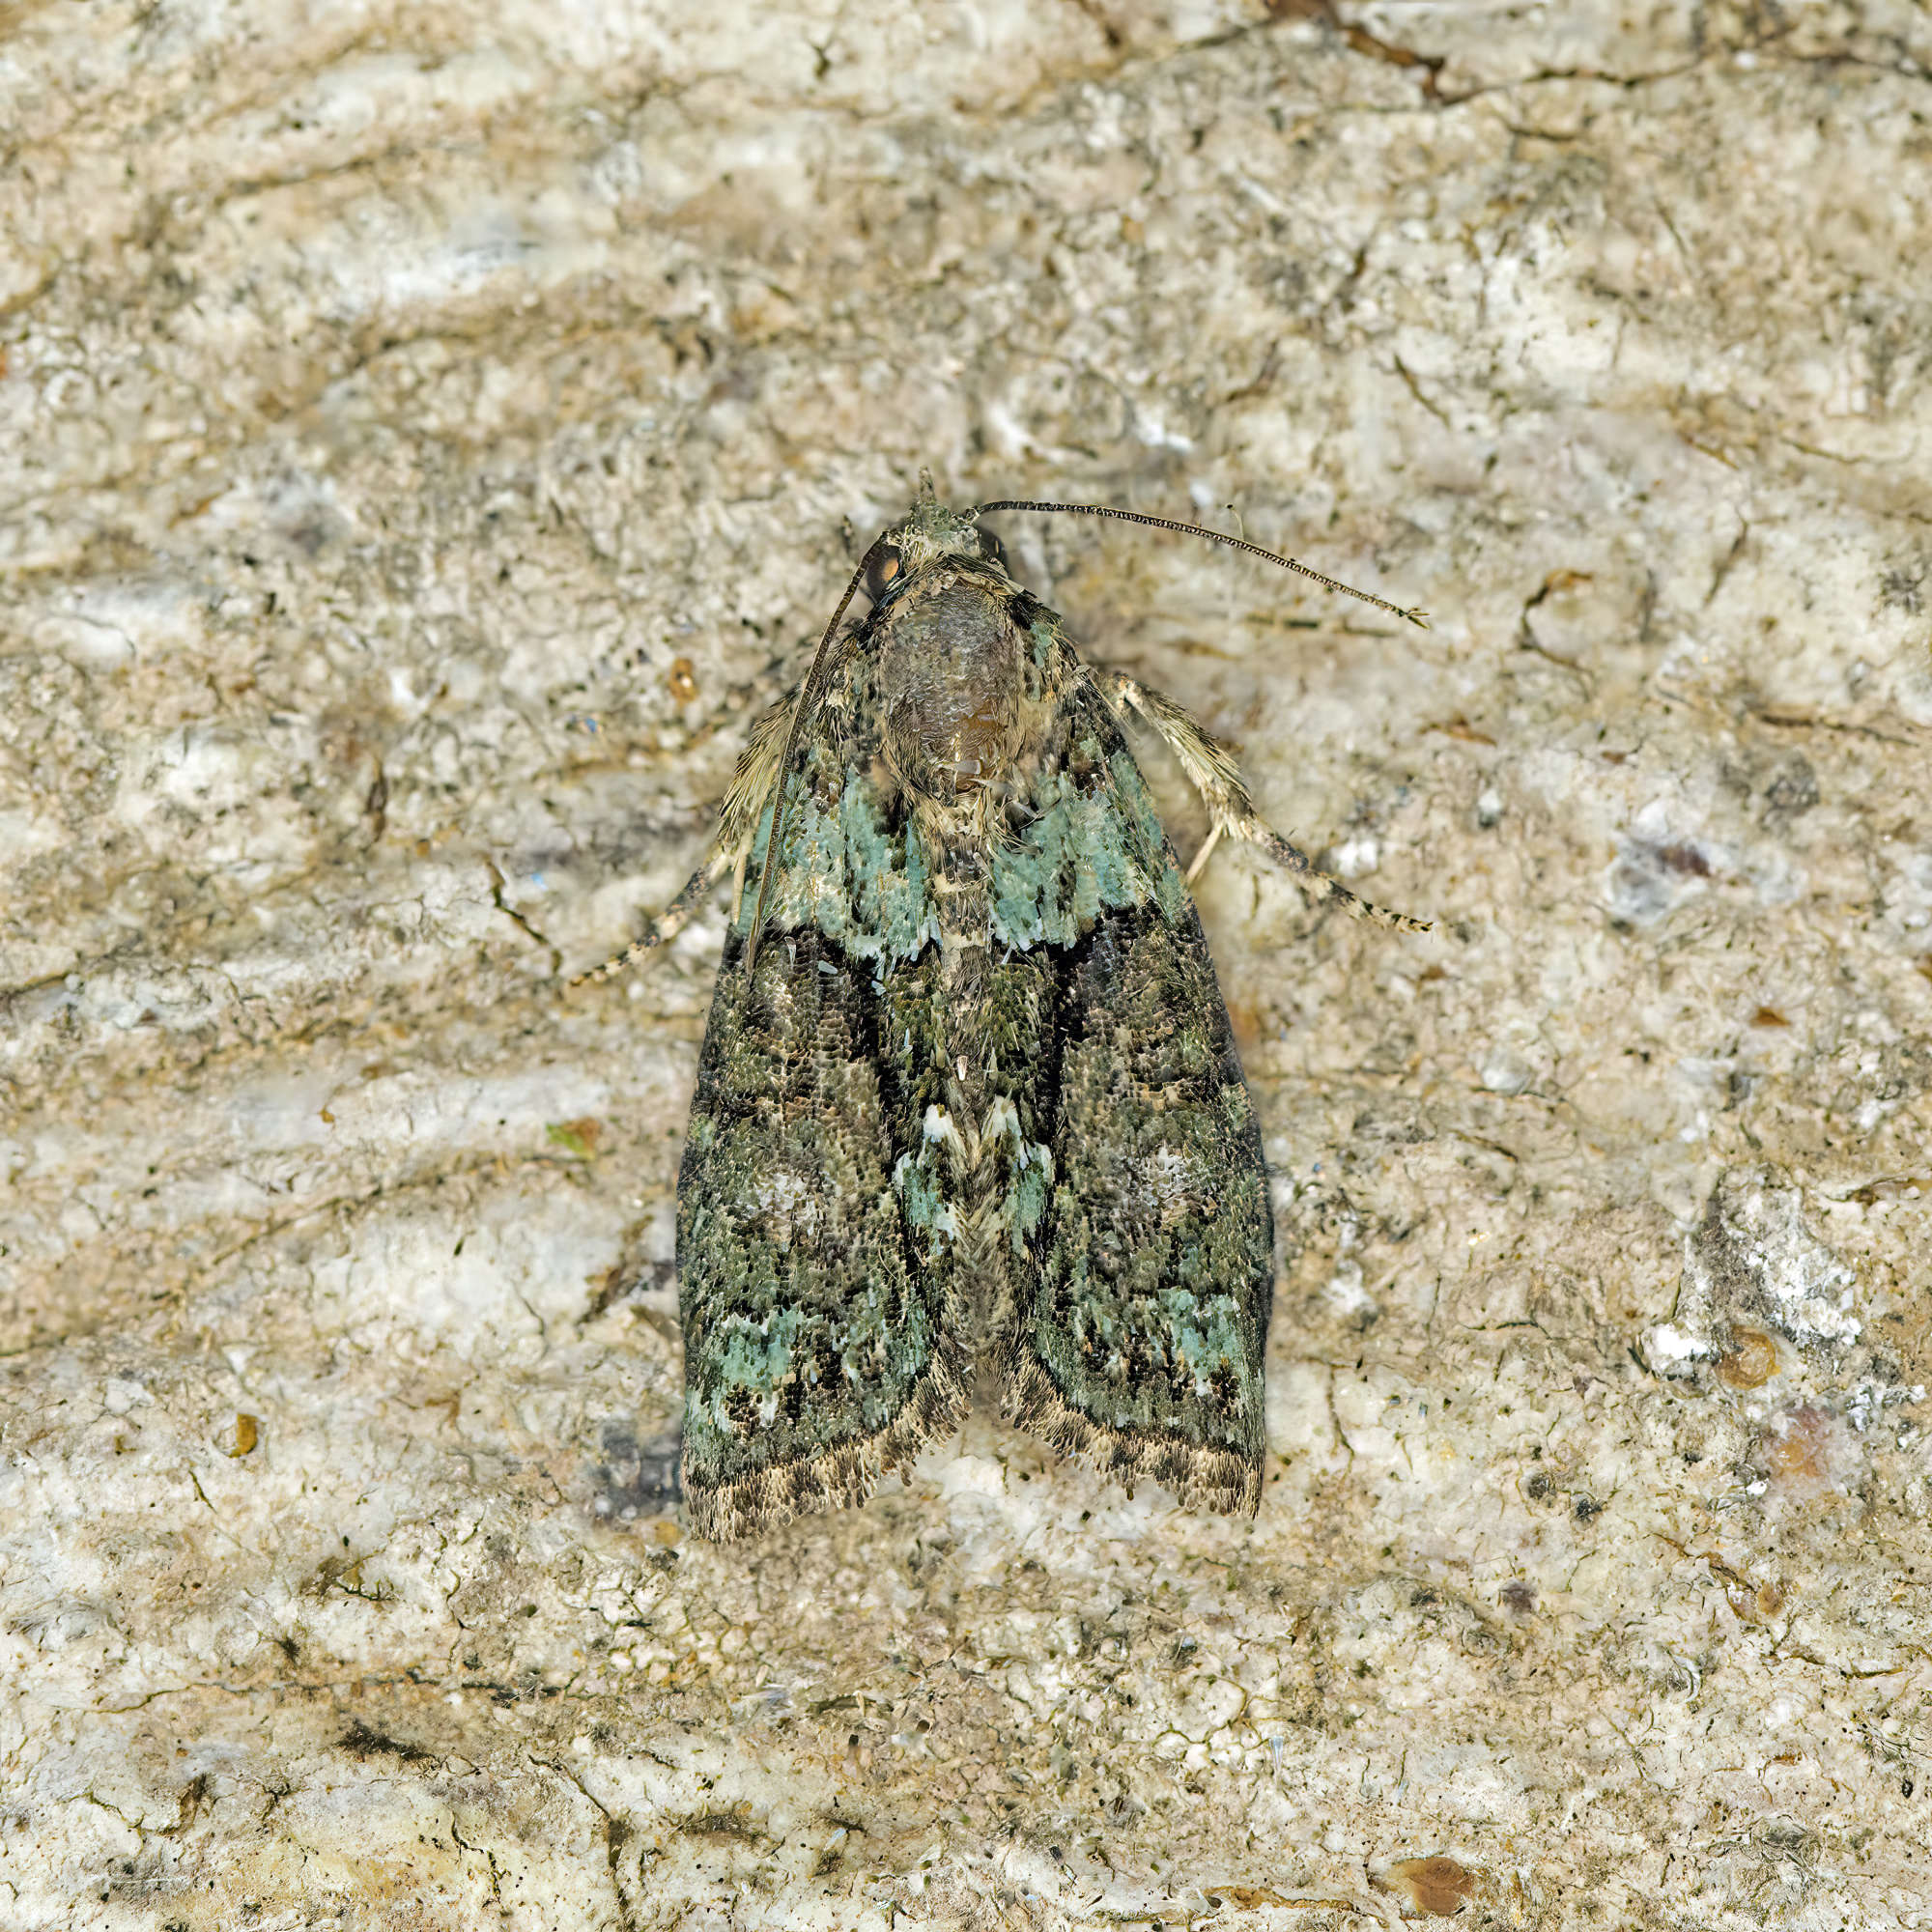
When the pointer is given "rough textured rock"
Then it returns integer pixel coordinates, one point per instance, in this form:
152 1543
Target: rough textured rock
426 438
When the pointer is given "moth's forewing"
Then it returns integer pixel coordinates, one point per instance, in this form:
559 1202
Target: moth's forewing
816 1346
1140 1347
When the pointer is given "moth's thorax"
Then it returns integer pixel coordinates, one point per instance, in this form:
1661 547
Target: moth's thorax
948 675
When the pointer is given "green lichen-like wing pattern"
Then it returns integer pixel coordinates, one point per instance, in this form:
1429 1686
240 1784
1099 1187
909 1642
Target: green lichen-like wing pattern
816 1350
1140 1350
1023 1135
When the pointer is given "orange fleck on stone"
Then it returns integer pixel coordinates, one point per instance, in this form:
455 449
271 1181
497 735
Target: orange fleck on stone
1248 1028
1808 1455
679 681
246 1434
1768 1016
1752 1362
1437 1885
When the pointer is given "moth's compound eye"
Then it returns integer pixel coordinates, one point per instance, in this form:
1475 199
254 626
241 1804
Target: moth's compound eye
883 570
994 551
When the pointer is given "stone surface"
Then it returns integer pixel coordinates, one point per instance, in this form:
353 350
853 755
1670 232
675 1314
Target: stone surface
426 438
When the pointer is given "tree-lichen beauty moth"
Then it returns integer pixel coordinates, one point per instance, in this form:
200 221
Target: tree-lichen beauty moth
968 1099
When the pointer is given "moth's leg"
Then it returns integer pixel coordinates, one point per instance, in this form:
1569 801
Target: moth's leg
1213 772
737 825
669 924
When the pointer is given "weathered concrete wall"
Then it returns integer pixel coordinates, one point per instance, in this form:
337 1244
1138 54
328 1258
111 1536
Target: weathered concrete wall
426 438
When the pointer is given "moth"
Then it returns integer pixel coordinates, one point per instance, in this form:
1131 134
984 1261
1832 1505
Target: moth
968 1106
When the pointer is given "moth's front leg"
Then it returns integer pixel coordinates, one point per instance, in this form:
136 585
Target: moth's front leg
667 925
738 820
1213 772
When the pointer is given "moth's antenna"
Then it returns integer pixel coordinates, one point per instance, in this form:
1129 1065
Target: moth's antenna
1419 618
809 695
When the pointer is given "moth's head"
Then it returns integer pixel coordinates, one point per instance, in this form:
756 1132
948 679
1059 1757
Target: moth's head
928 535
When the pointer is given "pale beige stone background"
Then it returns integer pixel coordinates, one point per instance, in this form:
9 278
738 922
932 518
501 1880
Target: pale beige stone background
427 433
